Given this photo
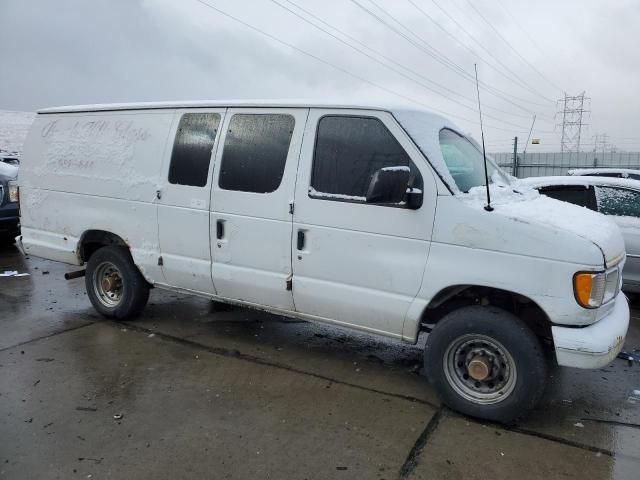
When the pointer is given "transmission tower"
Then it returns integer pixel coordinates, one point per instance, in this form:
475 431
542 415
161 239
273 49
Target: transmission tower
571 110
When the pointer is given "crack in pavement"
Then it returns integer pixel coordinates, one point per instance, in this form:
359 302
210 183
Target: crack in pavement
411 462
26 342
232 353
611 422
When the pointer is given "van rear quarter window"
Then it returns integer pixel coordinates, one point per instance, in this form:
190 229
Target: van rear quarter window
192 148
255 152
348 152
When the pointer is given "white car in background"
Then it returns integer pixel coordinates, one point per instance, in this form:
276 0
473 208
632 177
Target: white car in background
606 172
618 198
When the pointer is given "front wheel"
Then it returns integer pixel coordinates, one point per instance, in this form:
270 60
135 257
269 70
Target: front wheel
485 362
114 284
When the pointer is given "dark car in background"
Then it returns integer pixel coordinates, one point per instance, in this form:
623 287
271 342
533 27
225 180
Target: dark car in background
9 216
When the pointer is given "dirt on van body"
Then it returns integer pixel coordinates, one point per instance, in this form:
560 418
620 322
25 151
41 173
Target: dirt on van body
192 391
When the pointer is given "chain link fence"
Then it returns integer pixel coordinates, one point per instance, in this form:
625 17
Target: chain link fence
544 164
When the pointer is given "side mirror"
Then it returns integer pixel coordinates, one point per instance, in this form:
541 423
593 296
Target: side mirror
390 185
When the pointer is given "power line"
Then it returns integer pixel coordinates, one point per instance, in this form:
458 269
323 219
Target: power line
511 46
386 65
425 47
522 29
466 32
337 67
516 79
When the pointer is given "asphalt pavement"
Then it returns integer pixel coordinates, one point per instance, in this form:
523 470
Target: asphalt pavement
189 391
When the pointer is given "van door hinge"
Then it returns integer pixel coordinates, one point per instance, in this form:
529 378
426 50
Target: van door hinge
291 208
290 282
158 194
160 262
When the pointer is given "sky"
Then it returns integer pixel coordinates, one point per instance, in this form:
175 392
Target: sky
417 52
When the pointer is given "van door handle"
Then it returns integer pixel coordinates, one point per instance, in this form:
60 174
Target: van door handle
219 229
301 239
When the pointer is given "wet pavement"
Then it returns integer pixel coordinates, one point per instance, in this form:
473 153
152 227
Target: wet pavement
190 392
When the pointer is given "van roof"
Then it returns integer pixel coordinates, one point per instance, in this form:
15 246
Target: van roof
286 103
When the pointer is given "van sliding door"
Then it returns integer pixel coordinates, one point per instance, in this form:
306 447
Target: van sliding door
251 215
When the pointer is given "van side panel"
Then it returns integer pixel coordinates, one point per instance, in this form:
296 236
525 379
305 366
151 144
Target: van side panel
98 170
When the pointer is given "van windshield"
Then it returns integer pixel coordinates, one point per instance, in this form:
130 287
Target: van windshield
465 161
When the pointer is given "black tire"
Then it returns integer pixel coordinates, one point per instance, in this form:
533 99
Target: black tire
519 372
129 296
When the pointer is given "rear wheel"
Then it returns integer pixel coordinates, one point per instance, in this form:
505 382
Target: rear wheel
485 362
114 284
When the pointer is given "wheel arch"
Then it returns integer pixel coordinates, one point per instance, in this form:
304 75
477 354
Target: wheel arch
457 296
91 240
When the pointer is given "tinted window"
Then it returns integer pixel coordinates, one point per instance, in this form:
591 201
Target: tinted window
348 151
192 149
618 201
575 195
255 152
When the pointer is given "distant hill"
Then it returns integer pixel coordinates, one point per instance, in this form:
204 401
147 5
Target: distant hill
13 130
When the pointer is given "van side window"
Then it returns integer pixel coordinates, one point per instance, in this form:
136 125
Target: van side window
348 152
192 149
255 152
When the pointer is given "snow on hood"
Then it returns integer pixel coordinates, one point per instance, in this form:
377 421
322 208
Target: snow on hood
523 203
8 170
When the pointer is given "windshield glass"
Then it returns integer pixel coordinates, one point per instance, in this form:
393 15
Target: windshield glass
465 161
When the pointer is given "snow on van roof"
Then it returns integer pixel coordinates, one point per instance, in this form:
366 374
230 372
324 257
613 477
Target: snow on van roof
536 182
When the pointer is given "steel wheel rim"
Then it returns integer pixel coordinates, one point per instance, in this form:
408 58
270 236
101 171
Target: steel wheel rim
108 285
501 380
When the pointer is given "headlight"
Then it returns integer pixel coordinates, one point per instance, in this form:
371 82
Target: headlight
589 288
13 191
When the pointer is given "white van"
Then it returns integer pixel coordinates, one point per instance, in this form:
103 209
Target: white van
365 217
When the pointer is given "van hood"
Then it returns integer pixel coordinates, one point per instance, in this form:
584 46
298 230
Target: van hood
524 204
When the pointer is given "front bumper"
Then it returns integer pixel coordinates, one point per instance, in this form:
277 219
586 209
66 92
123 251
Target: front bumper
598 344
9 225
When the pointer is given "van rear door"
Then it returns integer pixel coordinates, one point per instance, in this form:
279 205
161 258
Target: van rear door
183 203
251 222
